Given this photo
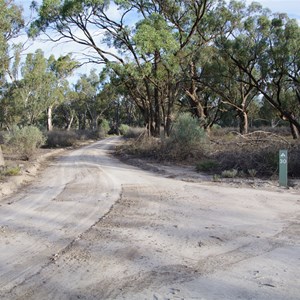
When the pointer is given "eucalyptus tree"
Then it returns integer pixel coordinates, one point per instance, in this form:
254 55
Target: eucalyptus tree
33 89
86 89
42 87
123 109
265 49
199 62
232 86
58 88
282 70
143 55
11 22
94 97
65 113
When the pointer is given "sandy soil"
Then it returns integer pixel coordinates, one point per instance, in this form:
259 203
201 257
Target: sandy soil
92 227
28 170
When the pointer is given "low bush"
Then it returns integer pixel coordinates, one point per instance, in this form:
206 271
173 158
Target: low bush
216 178
69 138
257 151
123 129
84 134
10 171
61 139
252 172
25 141
134 132
251 155
207 166
229 173
2 134
103 128
187 132
294 159
187 140
144 146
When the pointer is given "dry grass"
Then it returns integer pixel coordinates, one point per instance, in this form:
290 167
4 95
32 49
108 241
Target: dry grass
251 155
64 138
255 151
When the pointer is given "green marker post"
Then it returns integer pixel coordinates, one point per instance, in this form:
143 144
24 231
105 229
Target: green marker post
283 168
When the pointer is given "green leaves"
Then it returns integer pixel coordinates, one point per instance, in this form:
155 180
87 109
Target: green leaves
149 47
43 85
153 34
48 13
63 66
11 22
57 13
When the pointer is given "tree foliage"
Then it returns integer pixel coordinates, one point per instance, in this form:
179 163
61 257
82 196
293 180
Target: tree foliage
145 52
226 63
11 22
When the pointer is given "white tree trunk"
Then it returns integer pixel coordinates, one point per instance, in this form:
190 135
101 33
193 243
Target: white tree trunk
49 119
2 162
70 123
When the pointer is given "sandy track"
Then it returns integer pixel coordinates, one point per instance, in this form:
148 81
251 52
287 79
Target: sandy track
92 227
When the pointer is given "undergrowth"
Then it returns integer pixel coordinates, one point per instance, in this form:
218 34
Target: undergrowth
186 142
65 138
24 141
228 154
10 171
254 154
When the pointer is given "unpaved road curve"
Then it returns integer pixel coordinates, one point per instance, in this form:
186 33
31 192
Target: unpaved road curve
92 227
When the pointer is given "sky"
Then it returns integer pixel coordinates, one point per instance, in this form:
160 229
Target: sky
291 7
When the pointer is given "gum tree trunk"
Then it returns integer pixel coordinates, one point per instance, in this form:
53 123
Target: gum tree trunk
2 162
244 123
49 119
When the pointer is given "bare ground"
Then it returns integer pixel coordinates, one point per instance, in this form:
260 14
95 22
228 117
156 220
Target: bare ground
92 227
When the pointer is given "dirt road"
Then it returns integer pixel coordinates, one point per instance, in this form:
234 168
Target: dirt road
92 227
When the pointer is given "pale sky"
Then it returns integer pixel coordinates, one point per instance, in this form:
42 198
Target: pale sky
291 7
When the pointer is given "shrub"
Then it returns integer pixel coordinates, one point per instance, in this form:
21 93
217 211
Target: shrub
294 161
186 131
187 139
134 132
103 129
10 171
85 134
61 138
216 178
206 166
229 173
252 172
2 134
242 174
256 150
123 129
25 141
